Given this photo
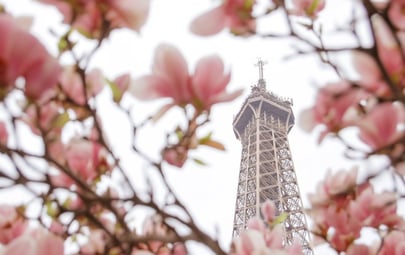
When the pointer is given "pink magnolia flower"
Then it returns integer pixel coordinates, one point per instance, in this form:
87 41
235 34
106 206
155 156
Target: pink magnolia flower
332 103
382 124
345 228
235 14
333 185
22 55
12 225
375 209
268 241
175 156
128 13
356 249
394 244
389 52
250 242
42 117
90 17
170 78
95 244
269 210
308 8
35 242
85 158
73 86
370 74
396 13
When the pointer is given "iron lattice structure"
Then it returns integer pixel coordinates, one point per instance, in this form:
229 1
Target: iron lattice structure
266 168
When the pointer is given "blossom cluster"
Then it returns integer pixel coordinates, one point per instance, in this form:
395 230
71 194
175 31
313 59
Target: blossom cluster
264 235
341 209
373 102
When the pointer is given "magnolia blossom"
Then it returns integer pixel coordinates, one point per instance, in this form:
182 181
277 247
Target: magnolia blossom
331 106
72 84
22 55
262 238
42 117
375 209
394 244
382 125
175 156
12 225
333 185
235 14
356 249
154 228
86 159
95 243
397 13
370 75
170 78
308 8
90 16
35 242
389 52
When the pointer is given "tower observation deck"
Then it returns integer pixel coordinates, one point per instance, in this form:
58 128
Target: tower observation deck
266 169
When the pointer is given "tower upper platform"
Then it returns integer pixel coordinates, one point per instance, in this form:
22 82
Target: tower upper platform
263 104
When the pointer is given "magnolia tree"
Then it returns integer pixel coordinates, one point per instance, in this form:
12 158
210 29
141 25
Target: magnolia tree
82 198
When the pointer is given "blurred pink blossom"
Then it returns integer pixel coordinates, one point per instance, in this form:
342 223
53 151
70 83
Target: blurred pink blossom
396 13
170 78
373 209
332 103
334 184
381 126
12 225
85 158
269 210
90 16
175 156
394 244
35 242
234 14
42 117
370 74
22 55
356 249
72 84
389 52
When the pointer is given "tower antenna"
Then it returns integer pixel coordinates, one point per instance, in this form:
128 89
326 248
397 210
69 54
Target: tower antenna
260 63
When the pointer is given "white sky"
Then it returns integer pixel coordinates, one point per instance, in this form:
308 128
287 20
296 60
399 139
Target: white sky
210 192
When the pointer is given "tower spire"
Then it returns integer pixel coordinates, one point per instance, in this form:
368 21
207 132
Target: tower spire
261 83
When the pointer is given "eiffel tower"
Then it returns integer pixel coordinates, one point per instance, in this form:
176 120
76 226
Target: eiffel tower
266 169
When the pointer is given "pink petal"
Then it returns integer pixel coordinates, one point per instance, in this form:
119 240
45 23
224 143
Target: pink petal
380 126
151 87
366 67
209 78
209 23
169 63
128 13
